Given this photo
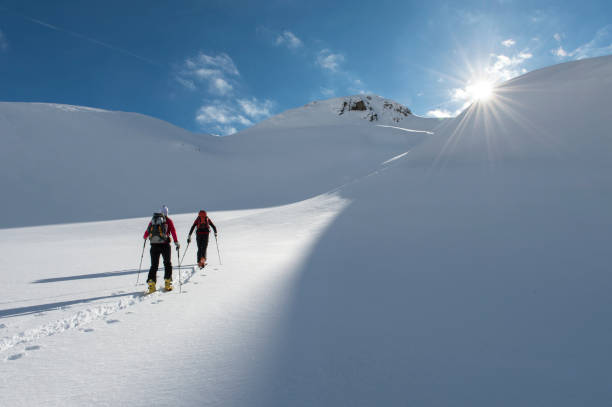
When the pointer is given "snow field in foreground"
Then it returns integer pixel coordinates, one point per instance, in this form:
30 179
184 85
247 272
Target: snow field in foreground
224 320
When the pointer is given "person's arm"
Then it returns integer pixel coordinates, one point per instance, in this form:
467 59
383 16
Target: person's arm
213 225
172 229
146 234
195 223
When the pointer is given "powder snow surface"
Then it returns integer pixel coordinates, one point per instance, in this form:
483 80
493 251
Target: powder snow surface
473 270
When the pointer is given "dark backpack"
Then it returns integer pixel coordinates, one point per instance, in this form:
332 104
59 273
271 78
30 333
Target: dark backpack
158 231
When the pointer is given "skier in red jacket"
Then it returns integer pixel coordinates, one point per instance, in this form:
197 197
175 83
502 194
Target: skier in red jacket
159 230
203 224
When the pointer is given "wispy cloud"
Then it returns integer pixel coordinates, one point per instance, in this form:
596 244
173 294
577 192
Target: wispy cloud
439 113
328 92
187 83
560 52
216 72
92 40
329 61
508 43
601 44
289 39
507 67
224 110
256 109
221 86
225 117
340 80
222 117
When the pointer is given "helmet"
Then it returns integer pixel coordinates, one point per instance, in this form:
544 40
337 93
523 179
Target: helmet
164 210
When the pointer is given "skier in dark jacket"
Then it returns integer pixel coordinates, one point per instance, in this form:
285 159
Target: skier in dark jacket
202 225
159 230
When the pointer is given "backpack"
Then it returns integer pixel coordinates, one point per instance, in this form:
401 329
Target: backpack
203 226
158 231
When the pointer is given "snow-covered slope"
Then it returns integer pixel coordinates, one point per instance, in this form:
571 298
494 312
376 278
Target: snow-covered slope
472 271
63 163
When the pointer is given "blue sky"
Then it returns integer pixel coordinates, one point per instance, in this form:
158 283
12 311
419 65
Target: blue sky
219 66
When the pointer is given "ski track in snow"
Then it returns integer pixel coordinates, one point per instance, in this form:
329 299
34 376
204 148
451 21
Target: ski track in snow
407 130
83 317
87 316
397 157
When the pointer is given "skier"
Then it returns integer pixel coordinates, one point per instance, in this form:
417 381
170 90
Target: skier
159 230
202 223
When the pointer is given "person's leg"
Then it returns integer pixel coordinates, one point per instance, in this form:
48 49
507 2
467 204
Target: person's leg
199 241
155 252
167 253
205 244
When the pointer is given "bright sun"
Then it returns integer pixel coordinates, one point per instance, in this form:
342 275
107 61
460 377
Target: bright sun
481 90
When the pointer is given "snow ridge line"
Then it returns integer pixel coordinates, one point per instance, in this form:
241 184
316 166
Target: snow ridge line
383 167
407 130
80 318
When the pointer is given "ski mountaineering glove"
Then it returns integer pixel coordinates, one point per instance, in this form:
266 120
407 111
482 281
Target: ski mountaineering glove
189 240
178 245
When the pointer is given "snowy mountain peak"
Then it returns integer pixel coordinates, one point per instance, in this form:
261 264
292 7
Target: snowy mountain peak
355 109
373 107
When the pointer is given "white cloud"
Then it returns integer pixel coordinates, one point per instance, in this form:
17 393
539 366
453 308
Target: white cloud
328 93
3 42
601 44
505 67
215 71
228 130
439 113
220 113
508 43
557 37
289 39
460 94
225 118
560 52
220 86
188 83
254 108
213 114
221 62
205 73
328 60
219 76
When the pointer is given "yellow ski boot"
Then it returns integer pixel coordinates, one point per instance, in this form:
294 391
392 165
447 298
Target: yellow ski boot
168 285
152 287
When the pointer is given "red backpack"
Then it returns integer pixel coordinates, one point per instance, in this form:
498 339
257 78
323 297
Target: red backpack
202 222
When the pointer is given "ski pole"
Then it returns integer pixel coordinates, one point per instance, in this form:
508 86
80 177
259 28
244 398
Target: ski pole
178 256
218 254
141 256
185 252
